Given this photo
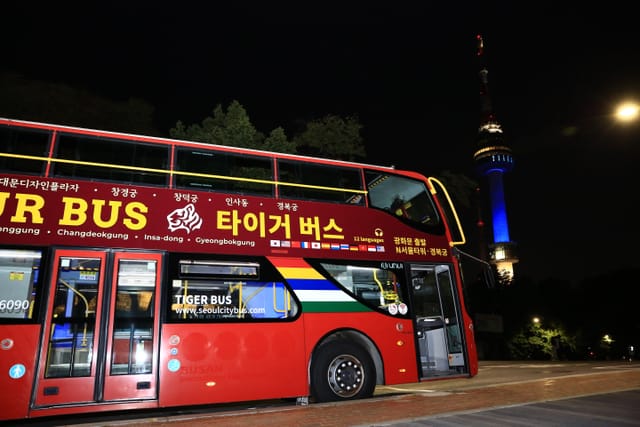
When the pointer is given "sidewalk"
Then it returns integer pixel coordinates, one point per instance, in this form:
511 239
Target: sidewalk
419 403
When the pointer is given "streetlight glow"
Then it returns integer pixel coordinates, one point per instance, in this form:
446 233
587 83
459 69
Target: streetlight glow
627 111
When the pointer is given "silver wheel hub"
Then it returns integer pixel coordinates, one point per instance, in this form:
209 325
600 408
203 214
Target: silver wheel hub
345 376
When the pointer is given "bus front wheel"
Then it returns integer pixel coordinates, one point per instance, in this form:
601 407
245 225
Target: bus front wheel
342 371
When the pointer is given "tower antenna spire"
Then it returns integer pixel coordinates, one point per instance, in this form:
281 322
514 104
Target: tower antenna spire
485 99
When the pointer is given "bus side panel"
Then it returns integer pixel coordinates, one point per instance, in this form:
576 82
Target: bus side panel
230 362
471 343
18 353
326 308
393 338
468 326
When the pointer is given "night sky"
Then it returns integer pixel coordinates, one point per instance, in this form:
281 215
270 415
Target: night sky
409 72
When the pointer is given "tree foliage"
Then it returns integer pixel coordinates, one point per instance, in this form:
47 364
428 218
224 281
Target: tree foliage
40 101
332 137
231 127
538 343
277 141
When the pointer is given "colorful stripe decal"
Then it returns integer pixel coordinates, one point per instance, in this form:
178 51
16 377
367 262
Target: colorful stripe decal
301 273
316 293
324 296
289 262
325 307
306 284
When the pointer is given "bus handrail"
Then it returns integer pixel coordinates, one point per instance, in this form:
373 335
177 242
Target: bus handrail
453 211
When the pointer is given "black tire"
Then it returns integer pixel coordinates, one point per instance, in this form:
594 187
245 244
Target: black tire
342 370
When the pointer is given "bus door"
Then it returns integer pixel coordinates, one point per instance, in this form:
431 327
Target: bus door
101 339
438 320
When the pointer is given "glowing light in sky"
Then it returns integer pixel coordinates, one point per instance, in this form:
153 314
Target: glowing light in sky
627 112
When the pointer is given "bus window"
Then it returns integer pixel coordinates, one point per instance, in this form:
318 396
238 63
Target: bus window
405 198
376 287
133 319
74 318
19 283
320 182
228 290
222 171
111 160
25 142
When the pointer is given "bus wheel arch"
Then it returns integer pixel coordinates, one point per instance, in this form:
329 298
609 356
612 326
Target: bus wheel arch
345 365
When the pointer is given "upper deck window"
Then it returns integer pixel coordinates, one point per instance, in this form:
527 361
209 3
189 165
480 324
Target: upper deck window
95 158
222 171
314 181
17 142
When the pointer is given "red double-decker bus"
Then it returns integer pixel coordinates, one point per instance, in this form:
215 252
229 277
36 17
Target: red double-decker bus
138 272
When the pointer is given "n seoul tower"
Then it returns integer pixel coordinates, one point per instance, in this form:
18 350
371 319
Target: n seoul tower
493 158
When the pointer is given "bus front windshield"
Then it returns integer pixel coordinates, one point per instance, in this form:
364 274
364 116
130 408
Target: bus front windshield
405 198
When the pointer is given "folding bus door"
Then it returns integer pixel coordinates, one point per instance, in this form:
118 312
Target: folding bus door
438 323
131 364
101 342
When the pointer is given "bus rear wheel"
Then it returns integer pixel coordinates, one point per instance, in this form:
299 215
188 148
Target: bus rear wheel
342 371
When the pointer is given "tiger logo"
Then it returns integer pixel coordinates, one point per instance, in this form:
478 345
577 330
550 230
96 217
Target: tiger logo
186 218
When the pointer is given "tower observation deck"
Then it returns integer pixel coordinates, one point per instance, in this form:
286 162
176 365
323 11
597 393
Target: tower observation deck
493 159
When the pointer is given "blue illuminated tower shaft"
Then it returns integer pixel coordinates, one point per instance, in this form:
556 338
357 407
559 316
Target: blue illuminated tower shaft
498 207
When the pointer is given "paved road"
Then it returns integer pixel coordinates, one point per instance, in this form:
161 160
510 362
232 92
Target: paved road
502 394
599 410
